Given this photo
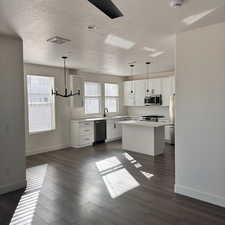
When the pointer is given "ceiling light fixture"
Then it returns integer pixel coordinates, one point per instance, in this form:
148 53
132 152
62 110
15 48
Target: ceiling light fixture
149 49
194 18
156 54
118 42
58 40
66 94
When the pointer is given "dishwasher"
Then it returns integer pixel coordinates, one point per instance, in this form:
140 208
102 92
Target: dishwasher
99 131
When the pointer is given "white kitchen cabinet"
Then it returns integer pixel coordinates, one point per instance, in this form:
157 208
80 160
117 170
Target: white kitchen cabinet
135 91
129 95
114 130
77 84
154 86
173 84
167 84
139 92
82 133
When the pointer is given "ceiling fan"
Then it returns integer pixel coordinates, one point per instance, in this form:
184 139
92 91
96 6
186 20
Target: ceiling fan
107 7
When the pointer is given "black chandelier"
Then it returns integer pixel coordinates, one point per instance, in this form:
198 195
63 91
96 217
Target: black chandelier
66 94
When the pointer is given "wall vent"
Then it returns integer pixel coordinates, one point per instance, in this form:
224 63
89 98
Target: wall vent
58 40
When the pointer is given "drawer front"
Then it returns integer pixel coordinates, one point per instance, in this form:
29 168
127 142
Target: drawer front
85 124
86 130
85 139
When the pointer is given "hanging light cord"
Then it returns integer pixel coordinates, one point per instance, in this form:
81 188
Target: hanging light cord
132 73
148 75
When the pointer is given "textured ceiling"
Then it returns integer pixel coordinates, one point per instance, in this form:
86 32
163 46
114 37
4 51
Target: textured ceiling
147 23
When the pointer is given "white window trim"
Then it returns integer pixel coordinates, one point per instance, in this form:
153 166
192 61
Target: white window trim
30 133
114 97
94 97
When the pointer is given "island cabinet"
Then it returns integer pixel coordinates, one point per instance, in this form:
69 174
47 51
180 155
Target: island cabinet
143 137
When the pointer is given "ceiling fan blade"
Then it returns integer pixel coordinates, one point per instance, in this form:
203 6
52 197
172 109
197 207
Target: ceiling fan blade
107 7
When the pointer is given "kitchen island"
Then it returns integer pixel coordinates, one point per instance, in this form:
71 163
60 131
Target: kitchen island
143 136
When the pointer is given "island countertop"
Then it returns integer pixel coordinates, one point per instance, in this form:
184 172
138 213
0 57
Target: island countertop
144 123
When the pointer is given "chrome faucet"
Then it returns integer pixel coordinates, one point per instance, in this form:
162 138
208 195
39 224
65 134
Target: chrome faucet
105 111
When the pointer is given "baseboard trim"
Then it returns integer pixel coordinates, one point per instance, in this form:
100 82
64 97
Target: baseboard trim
12 187
36 151
203 196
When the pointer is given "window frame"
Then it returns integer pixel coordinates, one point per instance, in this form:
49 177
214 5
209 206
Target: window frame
93 97
53 105
112 97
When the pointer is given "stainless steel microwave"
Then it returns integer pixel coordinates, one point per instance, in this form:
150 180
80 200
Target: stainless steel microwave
153 100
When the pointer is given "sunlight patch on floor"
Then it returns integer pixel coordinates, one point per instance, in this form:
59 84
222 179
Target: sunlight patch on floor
116 178
25 210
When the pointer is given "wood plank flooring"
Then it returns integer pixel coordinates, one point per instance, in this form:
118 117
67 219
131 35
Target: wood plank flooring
66 187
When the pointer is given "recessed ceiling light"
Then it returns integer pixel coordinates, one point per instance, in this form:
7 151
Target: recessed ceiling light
194 18
58 40
118 42
149 49
92 27
156 54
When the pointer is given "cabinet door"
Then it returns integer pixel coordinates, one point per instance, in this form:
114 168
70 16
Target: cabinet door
139 93
77 84
173 85
129 98
166 90
155 86
117 129
109 129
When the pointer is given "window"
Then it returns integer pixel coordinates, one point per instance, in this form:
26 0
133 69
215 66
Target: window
41 103
92 95
112 97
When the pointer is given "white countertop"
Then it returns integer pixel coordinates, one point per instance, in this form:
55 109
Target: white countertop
144 123
101 118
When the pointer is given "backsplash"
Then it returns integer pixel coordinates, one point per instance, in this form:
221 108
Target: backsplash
148 110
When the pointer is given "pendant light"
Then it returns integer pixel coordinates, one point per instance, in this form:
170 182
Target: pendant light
66 94
132 73
148 77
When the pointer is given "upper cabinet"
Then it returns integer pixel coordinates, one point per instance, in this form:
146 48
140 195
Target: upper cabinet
135 91
77 84
139 92
154 86
168 89
129 98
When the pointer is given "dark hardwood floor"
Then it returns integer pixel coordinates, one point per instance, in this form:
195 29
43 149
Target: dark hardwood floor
68 187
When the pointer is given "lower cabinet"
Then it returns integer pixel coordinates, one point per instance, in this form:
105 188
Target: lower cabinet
114 130
82 133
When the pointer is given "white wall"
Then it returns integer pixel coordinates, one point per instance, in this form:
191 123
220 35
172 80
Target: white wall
200 114
60 137
79 112
12 134
148 110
